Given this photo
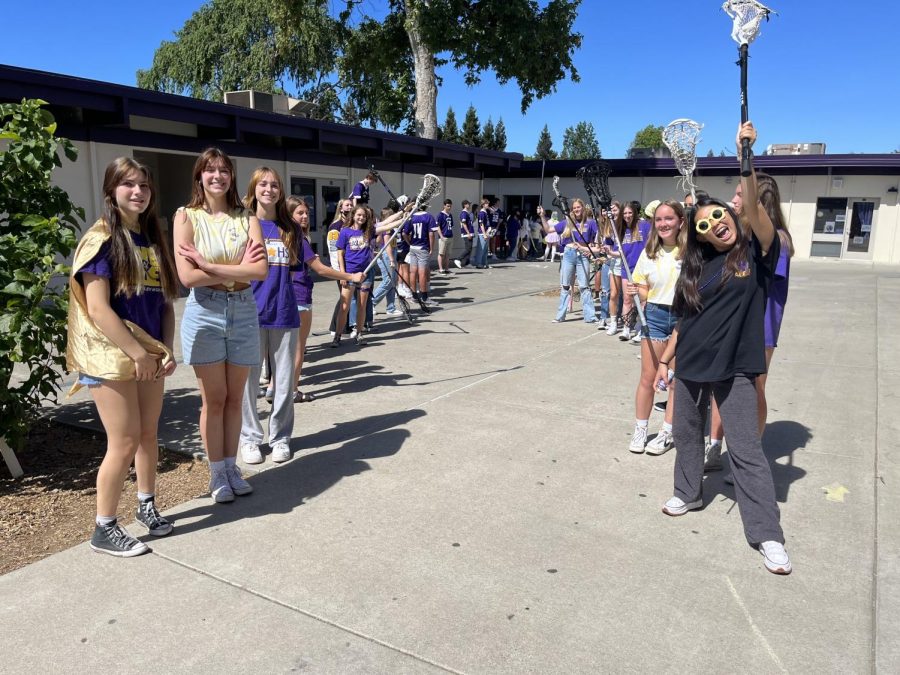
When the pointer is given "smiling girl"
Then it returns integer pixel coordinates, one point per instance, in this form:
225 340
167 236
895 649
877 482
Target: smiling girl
121 326
354 255
721 298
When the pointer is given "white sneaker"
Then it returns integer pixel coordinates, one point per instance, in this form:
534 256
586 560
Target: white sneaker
457 263
636 338
394 312
625 335
236 480
661 444
404 291
431 302
713 457
676 506
611 326
250 453
281 452
775 557
638 440
219 487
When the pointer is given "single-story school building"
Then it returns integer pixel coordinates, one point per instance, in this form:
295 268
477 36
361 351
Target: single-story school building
838 206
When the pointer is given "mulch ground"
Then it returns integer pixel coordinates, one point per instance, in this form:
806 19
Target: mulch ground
52 506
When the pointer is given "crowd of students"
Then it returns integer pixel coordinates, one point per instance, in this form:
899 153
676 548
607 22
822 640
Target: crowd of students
708 280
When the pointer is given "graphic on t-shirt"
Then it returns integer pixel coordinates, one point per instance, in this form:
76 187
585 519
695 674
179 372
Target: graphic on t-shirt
151 267
277 252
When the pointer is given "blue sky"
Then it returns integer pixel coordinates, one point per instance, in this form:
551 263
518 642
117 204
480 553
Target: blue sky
823 71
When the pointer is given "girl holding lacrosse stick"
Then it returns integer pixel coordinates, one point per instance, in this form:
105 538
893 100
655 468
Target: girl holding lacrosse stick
655 276
220 251
633 234
123 271
341 220
614 322
721 296
354 255
770 199
303 285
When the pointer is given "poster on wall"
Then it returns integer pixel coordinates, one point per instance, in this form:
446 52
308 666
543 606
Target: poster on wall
865 227
859 241
829 227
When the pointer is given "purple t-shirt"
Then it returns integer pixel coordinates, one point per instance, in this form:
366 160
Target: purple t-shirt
445 223
484 221
300 276
512 228
632 249
146 309
276 305
357 252
589 230
418 228
778 292
465 219
361 192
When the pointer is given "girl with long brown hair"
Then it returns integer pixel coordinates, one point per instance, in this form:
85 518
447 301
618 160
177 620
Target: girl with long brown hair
121 328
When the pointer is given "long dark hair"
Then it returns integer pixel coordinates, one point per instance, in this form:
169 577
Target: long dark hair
696 253
198 196
635 207
770 198
127 266
289 229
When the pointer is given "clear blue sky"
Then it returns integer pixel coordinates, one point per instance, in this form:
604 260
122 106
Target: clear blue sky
820 71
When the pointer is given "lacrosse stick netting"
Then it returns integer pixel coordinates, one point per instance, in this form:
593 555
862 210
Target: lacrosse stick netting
746 17
681 138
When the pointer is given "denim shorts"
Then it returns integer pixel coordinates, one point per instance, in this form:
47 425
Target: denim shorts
89 381
418 257
220 326
304 308
616 266
660 320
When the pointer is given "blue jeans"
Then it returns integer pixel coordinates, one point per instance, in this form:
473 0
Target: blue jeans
604 291
370 307
388 282
481 250
573 263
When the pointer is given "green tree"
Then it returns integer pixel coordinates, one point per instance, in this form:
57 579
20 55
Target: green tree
450 130
500 135
487 135
544 148
38 225
711 153
580 142
649 137
471 130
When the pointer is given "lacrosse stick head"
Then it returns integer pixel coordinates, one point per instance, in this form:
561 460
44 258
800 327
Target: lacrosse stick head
430 187
746 17
560 200
681 137
595 177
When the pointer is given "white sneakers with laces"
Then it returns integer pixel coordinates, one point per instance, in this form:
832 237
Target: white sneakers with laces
638 440
281 452
678 507
250 453
775 557
663 442
219 487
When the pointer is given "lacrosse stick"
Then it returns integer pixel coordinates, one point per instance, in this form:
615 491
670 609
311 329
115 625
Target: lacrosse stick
595 177
562 203
681 137
746 16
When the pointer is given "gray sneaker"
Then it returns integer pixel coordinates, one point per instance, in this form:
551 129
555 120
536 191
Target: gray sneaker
236 481
114 540
219 487
713 461
149 517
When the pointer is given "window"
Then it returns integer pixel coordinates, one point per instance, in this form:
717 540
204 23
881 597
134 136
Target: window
831 213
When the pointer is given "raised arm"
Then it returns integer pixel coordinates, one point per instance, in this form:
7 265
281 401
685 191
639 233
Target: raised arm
753 211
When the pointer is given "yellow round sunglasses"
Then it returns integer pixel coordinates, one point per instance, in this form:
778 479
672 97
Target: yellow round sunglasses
704 225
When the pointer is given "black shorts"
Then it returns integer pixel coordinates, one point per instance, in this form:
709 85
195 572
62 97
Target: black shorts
401 257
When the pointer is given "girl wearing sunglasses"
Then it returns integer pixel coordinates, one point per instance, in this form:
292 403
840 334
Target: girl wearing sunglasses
720 347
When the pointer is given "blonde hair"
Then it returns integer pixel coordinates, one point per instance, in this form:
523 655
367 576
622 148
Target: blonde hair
655 242
283 218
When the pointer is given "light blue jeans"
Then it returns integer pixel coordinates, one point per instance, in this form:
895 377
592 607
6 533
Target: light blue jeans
481 250
572 264
388 282
604 291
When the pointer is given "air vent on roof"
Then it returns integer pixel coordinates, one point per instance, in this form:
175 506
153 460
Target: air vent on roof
277 103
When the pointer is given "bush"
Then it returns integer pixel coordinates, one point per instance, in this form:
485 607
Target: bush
38 226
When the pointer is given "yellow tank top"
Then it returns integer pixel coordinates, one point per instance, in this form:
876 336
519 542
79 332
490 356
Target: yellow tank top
221 239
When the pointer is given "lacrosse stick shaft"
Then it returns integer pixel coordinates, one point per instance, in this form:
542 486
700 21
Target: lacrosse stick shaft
743 51
381 180
543 165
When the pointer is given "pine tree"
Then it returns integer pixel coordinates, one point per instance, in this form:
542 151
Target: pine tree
500 135
544 148
487 135
450 131
471 130
711 153
580 142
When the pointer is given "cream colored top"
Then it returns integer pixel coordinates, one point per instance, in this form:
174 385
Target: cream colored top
659 275
221 239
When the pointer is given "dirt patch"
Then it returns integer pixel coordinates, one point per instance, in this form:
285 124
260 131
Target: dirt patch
52 507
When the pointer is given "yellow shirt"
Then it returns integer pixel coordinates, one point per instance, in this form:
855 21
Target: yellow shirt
221 239
659 275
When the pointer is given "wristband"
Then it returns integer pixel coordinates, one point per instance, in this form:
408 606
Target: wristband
665 363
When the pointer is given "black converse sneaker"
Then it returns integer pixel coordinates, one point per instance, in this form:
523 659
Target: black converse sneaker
114 540
149 517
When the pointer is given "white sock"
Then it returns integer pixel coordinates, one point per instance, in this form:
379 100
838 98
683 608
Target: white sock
230 461
641 424
715 441
145 496
105 521
667 427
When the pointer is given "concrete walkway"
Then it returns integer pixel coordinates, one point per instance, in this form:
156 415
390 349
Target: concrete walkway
461 498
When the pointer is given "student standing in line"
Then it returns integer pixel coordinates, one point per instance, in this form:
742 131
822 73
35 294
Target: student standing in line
655 276
220 251
512 235
419 232
482 233
387 264
123 271
721 298
354 255
467 232
302 283
360 194
341 220
633 236
445 234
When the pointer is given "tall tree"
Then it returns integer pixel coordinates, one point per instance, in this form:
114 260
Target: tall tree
500 135
487 135
544 148
450 130
649 137
471 130
580 142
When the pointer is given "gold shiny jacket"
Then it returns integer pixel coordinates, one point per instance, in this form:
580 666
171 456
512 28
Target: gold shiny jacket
88 349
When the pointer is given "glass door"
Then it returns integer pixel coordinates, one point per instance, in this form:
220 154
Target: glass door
858 236
330 195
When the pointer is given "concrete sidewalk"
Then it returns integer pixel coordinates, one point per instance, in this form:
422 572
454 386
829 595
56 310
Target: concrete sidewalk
462 499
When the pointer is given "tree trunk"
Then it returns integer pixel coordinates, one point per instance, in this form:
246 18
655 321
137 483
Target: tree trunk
426 89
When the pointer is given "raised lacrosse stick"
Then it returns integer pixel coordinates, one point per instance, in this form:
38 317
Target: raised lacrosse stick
746 16
595 177
681 137
563 203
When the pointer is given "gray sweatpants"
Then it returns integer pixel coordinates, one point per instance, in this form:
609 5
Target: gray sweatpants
753 484
280 345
